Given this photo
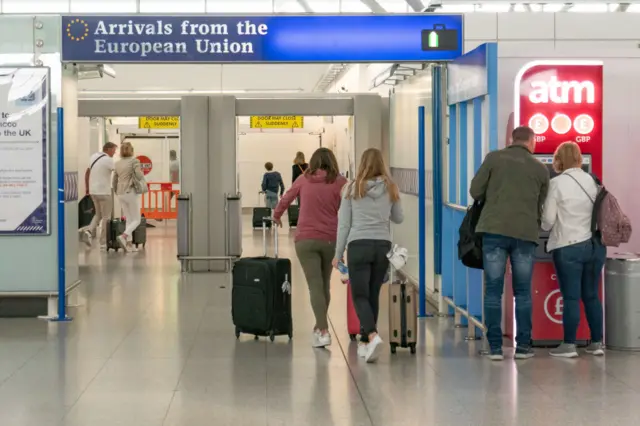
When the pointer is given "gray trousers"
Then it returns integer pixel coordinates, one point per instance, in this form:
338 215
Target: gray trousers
315 257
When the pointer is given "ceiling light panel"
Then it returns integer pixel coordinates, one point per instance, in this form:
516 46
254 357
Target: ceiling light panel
589 8
172 6
239 6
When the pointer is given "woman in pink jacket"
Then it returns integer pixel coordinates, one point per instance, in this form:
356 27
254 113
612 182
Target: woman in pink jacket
315 240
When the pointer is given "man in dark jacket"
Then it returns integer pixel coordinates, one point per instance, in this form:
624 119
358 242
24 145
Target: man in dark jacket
271 183
513 185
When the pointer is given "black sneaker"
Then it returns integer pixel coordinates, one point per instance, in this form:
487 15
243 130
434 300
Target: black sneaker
496 355
524 352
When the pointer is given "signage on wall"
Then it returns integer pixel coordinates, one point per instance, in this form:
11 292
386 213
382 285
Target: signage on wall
145 164
24 151
255 39
277 122
166 122
561 101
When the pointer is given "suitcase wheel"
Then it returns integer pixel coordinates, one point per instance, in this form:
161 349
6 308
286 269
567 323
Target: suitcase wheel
412 348
290 334
272 336
353 337
237 333
393 348
255 337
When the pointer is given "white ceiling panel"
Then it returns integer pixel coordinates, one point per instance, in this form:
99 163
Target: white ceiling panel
210 77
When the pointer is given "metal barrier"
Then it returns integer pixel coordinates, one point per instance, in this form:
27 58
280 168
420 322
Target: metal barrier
474 324
161 202
233 235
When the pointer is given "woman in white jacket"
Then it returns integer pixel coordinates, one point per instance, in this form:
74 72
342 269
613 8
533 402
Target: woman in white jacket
126 170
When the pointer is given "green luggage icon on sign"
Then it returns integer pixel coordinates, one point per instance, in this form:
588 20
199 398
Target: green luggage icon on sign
439 38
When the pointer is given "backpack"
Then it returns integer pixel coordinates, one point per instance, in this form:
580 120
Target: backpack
470 242
607 218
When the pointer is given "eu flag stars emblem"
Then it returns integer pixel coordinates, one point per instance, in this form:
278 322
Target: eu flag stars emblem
77 29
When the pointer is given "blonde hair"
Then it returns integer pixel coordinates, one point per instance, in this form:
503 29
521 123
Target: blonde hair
567 156
299 160
126 150
372 165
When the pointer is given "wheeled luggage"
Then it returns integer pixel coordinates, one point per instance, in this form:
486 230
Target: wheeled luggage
115 228
259 213
403 316
353 322
293 212
139 237
261 294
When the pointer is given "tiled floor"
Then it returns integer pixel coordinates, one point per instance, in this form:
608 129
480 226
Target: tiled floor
149 347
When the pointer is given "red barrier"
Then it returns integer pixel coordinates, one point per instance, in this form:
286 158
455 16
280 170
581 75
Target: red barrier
161 202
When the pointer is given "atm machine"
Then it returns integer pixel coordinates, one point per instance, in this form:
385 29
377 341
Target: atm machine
561 100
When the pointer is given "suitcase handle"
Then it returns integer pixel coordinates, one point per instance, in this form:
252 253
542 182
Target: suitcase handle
264 236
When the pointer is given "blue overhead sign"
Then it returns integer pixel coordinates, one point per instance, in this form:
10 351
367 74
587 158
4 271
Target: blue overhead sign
258 39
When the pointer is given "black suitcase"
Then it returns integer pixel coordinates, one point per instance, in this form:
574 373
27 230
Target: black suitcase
115 228
260 213
86 211
293 212
139 237
261 295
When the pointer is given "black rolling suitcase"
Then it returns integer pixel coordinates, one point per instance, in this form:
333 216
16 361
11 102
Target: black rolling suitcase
115 228
293 212
261 294
259 213
86 211
139 237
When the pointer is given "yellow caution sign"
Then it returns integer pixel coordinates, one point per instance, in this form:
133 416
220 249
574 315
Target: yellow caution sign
277 122
168 122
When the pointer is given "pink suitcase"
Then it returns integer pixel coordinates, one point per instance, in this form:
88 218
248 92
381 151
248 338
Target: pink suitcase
353 322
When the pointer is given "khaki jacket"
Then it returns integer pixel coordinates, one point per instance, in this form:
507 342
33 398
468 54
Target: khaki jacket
125 171
513 185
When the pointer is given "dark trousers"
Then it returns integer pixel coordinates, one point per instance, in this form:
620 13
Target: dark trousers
579 267
495 251
368 264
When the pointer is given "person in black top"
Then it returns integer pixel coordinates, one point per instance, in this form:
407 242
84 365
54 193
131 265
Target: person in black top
271 183
299 167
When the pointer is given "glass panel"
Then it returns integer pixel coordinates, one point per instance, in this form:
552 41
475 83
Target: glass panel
288 6
353 6
31 6
395 6
164 6
49 33
239 6
16 37
103 6
324 6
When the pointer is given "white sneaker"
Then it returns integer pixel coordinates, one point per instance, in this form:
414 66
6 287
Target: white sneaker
373 349
320 340
362 350
87 238
123 243
103 247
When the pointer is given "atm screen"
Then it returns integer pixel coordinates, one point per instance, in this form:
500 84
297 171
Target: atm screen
547 160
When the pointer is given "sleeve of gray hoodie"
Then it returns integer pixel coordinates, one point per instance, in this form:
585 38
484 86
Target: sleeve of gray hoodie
344 226
397 215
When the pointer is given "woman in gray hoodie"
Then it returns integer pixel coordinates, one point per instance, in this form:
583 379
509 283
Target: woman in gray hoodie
368 206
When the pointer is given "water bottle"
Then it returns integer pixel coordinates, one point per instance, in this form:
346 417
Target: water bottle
344 272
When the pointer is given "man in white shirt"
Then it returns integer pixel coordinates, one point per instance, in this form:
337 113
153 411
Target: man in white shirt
97 180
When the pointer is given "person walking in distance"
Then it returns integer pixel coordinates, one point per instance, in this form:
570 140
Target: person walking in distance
174 170
315 240
512 186
368 206
271 184
97 179
298 168
126 170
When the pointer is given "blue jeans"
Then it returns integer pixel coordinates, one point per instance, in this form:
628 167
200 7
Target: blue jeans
495 250
579 267
271 199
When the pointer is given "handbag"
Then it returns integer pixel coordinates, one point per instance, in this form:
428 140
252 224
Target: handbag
139 185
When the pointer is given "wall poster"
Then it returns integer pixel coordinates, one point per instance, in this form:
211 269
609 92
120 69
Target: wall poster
24 151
